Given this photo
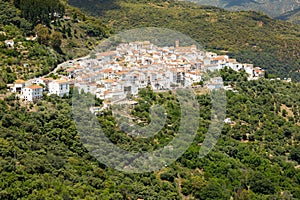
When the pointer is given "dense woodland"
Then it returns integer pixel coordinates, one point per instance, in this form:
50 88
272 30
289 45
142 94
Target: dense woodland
248 36
62 34
258 157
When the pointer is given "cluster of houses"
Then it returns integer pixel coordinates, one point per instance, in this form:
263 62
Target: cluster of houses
113 75
33 90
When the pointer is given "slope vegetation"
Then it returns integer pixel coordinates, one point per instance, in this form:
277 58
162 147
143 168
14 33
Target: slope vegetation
59 37
272 8
257 157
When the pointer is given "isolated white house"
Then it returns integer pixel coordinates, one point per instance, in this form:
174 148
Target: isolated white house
32 93
59 87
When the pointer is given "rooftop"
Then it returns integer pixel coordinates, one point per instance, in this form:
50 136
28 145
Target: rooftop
34 87
61 81
19 81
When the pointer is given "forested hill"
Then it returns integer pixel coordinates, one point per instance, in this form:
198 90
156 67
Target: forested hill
248 36
63 32
257 157
273 8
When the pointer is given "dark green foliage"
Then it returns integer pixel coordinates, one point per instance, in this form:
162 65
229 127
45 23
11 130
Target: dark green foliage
41 153
42 156
259 183
40 11
295 154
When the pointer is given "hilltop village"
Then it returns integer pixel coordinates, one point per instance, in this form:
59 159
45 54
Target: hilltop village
114 74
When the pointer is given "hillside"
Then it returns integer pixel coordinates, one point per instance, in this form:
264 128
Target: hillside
59 38
292 16
273 8
42 154
248 36
257 157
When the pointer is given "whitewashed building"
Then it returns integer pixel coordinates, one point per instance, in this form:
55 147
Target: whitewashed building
32 93
18 86
59 87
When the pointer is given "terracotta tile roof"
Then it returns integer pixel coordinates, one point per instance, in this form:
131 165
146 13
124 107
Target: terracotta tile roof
109 80
121 72
232 60
220 58
109 70
61 81
34 87
19 81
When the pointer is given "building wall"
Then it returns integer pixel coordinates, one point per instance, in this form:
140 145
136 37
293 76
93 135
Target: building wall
60 89
31 94
18 87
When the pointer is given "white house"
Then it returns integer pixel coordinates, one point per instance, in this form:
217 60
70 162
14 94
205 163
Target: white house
18 86
59 87
32 93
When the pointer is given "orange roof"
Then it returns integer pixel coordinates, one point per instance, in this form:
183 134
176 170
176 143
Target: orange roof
121 72
109 80
220 58
232 60
61 81
34 87
19 81
109 70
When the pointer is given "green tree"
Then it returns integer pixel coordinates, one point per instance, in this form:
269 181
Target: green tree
295 154
43 34
56 41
